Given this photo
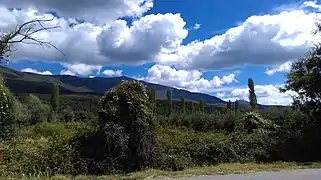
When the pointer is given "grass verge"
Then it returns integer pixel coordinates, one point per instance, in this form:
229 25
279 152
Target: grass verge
232 168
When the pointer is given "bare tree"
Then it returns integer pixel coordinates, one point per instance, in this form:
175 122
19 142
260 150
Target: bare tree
24 33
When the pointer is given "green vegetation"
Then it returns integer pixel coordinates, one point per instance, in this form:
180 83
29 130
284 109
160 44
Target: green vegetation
252 96
126 134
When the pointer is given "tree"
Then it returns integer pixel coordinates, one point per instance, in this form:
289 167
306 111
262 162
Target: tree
304 79
201 105
252 96
183 104
229 105
169 102
68 114
54 100
37 110
152 98
7 119
25 33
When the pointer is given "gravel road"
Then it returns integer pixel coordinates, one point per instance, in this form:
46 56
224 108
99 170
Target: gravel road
306 174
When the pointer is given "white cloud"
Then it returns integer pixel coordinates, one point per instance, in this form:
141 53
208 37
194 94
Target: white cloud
91 76
312 4
266 94
30 70
189 80
112 73
90 10
221 95
197 26
262 40
67 72
286 67
80 69
146 40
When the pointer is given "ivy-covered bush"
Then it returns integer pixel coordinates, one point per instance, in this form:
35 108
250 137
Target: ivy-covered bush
125 140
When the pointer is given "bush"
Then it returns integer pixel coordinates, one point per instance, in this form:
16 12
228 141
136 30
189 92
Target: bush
200 148
7 119
37 111
45 147
125 140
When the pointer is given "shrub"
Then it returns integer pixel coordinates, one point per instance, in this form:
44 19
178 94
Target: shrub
37 111
125 140
7 119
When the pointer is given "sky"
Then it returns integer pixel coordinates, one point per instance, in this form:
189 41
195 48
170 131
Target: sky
209 46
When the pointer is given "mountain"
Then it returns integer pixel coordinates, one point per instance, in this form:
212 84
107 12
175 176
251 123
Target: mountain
22 83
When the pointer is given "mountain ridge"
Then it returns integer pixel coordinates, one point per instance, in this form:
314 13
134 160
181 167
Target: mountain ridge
24 82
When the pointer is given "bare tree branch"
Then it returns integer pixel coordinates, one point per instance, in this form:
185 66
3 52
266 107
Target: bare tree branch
24 34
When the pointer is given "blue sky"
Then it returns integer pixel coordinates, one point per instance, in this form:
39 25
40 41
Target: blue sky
210 46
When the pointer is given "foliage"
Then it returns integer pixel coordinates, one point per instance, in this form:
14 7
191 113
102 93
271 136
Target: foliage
252 96
7 116
126 122
37 111
169 102
54 100
67 114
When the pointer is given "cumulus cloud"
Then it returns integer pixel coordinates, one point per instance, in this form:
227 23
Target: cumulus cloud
35 71
262 40
286 67
266 94
80 69
189 80
103 11
116 43
147 39
197 26
112 73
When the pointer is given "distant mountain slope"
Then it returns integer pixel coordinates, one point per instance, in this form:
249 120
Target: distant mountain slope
22 83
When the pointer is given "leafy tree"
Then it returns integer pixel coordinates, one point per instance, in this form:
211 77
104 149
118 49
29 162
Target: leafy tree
152 97
252 96
54 100
169 102
68 114
37 110
7 119
183 104
304 78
